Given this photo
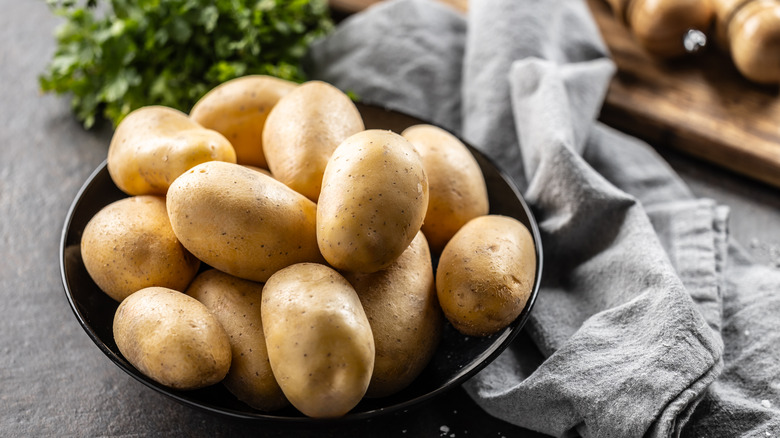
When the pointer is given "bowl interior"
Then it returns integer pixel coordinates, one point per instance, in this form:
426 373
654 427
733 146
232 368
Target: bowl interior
457 358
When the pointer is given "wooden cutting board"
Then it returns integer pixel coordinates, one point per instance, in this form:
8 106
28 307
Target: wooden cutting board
699 105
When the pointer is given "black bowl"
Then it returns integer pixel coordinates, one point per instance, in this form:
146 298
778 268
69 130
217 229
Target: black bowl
457 358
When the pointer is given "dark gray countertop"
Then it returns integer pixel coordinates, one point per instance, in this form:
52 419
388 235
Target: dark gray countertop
54 381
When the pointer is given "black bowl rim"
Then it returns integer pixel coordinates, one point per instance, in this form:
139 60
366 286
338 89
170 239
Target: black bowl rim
496 348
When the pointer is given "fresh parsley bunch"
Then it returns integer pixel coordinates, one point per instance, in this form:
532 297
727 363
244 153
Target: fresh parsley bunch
117 55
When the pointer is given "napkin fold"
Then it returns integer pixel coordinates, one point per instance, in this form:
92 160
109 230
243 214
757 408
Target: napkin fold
650 321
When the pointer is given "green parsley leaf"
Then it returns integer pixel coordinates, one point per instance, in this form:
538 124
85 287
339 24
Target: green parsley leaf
114 56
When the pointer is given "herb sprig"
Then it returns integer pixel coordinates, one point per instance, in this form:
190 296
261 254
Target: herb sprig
117 55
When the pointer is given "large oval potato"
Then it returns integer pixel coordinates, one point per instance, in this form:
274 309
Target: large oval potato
238 110
406 320
485 274
242 222
319 340
457 188
154 144
302 131
172 338
236 304
373 201
129 245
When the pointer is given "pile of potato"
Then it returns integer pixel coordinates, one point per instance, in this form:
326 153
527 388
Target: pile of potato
272 243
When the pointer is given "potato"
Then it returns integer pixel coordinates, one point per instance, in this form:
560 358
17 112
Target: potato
373 201
129 245
406 320
238 110
457 188
302 131
241 221
236 305
319 340
154 144
485 274
172 338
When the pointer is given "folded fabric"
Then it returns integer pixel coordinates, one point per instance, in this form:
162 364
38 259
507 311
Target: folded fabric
643 299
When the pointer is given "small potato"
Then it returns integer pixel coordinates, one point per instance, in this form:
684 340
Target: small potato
130 245
457 188
302 131
238 110
155 144
373 201
319 340
236 305
485 274
406 320
172 338
241 221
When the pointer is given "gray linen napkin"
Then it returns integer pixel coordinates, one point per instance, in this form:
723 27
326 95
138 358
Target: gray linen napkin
649 321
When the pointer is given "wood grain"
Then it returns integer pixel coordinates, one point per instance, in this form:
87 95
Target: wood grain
351 6
699 105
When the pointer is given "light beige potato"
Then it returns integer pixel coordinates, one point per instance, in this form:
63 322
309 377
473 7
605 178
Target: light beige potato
129 245
238 110
242 222
302 131
172 338
153 145
754 40
406 320
457 188
373 201
236 305
319 340
485 274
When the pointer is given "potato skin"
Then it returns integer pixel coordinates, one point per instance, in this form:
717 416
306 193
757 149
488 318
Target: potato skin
240 221
303 130
457 188
129 245
236 305
154 144
406 320
319 340
485 274
373 201
172 338
238 110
